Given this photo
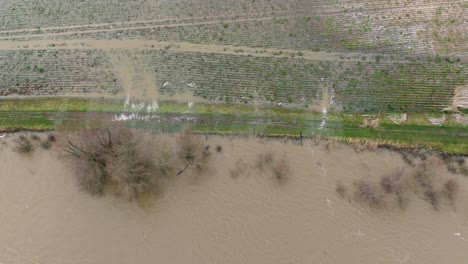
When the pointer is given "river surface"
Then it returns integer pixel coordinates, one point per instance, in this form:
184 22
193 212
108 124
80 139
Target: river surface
214 217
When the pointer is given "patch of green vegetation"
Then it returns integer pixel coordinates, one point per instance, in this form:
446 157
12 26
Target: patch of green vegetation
38 114
34 123
59 104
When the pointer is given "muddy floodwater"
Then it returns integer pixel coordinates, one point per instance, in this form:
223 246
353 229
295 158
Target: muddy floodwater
223 217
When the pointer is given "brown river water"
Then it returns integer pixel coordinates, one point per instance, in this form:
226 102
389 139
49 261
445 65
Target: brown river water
213 217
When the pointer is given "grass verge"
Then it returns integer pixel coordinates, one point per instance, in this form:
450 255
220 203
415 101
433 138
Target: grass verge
42 114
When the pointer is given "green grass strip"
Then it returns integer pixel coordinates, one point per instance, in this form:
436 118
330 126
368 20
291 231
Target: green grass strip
39 113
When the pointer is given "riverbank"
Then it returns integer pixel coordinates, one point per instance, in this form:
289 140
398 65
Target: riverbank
414 130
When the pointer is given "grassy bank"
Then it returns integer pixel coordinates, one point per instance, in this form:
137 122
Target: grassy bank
46 113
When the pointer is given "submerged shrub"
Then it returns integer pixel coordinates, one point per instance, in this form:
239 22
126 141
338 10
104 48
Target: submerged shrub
281 169
23 145
51 138
341 189
219 148
402 200
163 157
264 159
35 137
423 178
131 166
190 148
454 164
45 144
432 197
391 183
240 168
368 193
91 176
115 154
450 189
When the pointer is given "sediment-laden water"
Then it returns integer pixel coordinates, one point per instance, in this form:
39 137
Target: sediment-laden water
223 217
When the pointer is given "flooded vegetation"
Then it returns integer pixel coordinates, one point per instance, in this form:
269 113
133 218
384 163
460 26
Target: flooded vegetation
249 199
234 131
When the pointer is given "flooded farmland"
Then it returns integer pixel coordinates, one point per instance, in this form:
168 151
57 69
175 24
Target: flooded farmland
247 76
217 216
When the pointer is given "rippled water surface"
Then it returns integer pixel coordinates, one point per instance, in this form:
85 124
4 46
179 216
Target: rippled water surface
216 218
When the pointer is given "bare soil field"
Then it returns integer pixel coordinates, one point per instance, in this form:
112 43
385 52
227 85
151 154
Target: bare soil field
236 210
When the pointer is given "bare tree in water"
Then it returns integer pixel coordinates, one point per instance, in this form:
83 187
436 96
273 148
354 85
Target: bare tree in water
191 150
115 154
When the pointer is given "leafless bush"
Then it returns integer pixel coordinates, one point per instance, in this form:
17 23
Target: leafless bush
423 178
453 167
460 160
190 148
240 168
369 193
115 154
421 153
219 148
89 150
35 137
91 175
454 164
411 156
402 200
391 182
45 144
451 189
281 169
432 197
23 145
408 158
51 138
131 165
422 181
341 189
163 157
264 159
